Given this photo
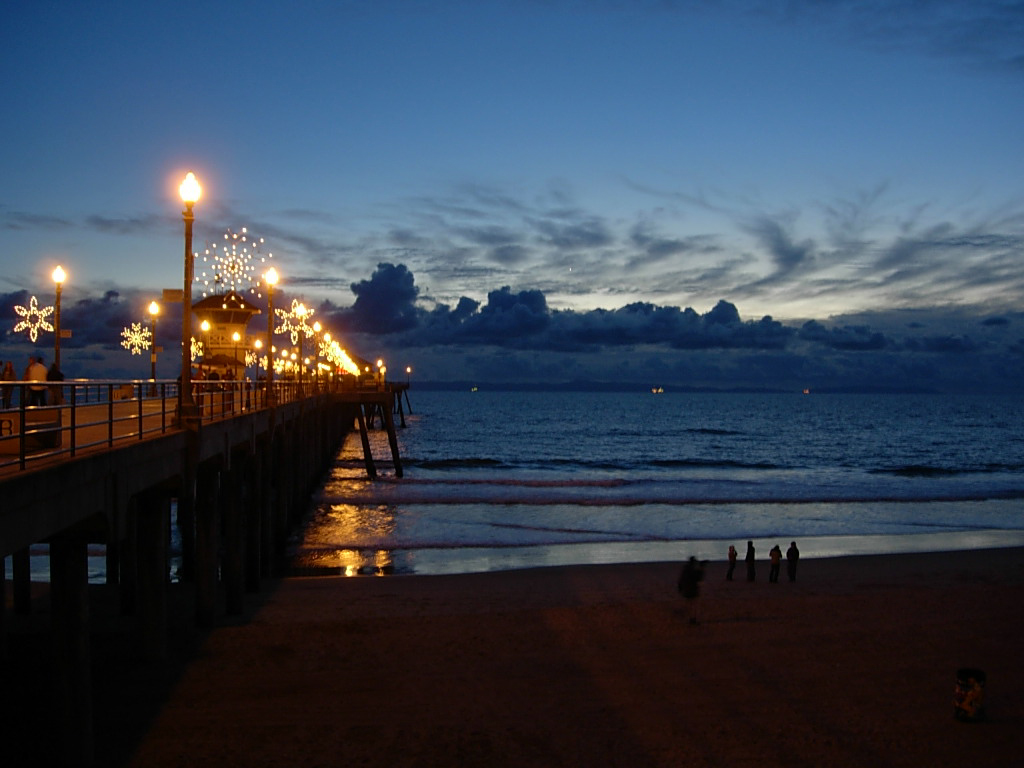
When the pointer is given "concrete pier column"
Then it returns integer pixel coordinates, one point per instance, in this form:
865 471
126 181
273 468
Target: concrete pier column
233 566
128 561
207 545
152 533
72 668
252 503
21 575
267 506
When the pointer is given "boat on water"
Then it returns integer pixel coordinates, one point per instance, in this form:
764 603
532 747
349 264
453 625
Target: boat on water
657 390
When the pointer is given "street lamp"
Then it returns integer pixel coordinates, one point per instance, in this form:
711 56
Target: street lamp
235 337
316 350
204 328
271 280
190 192
58 277
154 310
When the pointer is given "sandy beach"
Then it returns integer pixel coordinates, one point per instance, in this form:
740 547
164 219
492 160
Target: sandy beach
852 665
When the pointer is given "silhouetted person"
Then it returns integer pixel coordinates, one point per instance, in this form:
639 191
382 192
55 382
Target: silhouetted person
732 563
749 559
775 556
55 376
792 560
689 586
9 376
36 371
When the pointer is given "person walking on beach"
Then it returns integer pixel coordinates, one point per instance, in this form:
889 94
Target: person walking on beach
750 561
792 559
36 371
9 376
689 586
775 555
732 563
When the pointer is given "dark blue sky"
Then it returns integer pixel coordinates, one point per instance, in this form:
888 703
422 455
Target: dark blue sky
619 168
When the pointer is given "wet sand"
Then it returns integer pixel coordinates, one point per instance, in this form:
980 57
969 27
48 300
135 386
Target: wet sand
852 665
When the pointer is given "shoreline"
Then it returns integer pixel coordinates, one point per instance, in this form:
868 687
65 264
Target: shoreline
429 561
468 560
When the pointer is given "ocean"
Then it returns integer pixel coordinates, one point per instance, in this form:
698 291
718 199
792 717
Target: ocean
503 480
499 480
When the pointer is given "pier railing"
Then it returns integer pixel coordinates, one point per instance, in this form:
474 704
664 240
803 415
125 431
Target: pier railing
89 414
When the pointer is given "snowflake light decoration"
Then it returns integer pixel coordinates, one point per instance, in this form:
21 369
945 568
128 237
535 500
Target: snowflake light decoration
296 321
235 264
196 348
33 319
136 338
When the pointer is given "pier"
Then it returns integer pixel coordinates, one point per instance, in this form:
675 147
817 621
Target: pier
107 465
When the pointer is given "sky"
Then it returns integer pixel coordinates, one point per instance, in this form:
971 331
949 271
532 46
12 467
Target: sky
744 193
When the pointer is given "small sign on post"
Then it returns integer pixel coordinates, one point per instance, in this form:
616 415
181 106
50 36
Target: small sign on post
172 295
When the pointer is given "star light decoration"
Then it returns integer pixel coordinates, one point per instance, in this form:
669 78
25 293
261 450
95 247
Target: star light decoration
196 349
33 319
235 264
136 338
295 322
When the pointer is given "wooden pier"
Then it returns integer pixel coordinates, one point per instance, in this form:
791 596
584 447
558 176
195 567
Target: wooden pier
240 481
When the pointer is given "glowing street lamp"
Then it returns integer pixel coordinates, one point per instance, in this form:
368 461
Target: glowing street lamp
58 277
204 328
408 374
235 337
190 192
271 280
316 349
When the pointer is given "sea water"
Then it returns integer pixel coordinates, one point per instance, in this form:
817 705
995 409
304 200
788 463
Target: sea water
500 480
496 480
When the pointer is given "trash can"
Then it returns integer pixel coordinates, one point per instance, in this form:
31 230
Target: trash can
969 694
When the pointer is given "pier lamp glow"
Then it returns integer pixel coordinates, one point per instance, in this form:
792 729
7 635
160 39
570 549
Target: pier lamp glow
270 278
59 276
190 192
154 310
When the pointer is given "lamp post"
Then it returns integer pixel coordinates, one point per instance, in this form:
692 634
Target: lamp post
301 312
204 328
271 279
154 310
316 350
58 277
235 337
190 192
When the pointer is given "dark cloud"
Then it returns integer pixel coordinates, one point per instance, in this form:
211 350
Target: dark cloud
844 337
386 303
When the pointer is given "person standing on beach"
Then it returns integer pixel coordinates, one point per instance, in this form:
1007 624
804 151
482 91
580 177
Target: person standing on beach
775 555
750 561
792 558
732 563
689 586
